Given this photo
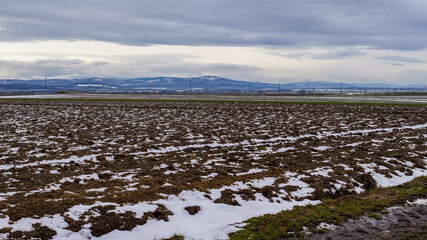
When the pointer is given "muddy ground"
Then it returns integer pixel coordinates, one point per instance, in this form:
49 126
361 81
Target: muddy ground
403 222
58 154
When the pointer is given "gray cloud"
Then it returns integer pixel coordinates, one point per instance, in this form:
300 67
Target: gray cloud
147 66
385 24
339 54
48 67
178 65
185 66
413 76
333 54
400 59
99 63
58 63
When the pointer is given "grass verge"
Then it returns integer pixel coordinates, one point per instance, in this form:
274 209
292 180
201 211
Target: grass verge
175 237
293 223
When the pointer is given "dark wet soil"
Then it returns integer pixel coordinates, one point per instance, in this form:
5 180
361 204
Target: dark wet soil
192 210
407 222
107 220
39 232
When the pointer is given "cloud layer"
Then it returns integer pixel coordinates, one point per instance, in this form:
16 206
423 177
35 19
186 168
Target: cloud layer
269 40
147 66
385 24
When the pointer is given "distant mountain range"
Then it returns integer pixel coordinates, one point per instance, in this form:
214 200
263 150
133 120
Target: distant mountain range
169 84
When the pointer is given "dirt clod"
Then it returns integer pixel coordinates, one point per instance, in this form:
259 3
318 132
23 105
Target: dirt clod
39 232
227 197
367 180
110 221
192 210
162 213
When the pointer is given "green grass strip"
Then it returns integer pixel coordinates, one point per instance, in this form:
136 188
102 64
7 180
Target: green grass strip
290 223
175 237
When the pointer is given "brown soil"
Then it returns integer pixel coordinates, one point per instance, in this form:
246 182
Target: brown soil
39 232
192 210
107 220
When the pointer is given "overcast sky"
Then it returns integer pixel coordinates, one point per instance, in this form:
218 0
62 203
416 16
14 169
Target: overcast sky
263 40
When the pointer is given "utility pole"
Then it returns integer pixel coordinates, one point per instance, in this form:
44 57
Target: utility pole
322 88
189 91
45 83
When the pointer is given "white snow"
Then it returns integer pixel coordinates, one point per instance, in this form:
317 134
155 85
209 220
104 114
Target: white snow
51 162
323 171
321 148
328 226
97 189
253 170
420 202
81 177
400 178
212 222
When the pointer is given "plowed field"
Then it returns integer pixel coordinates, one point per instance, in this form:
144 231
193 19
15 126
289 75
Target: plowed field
144 170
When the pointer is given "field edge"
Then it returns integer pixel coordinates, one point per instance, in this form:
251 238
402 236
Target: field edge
221 101
302 221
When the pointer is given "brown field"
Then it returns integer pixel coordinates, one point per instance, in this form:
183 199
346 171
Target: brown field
58 154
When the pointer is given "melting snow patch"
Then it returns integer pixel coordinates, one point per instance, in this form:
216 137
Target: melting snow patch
346 167
326 226
97 189
323 171
81 177
211 175
401 178
253 170
214 221
420 202
321 148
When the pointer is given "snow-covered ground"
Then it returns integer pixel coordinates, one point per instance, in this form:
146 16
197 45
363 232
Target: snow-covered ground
214 221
